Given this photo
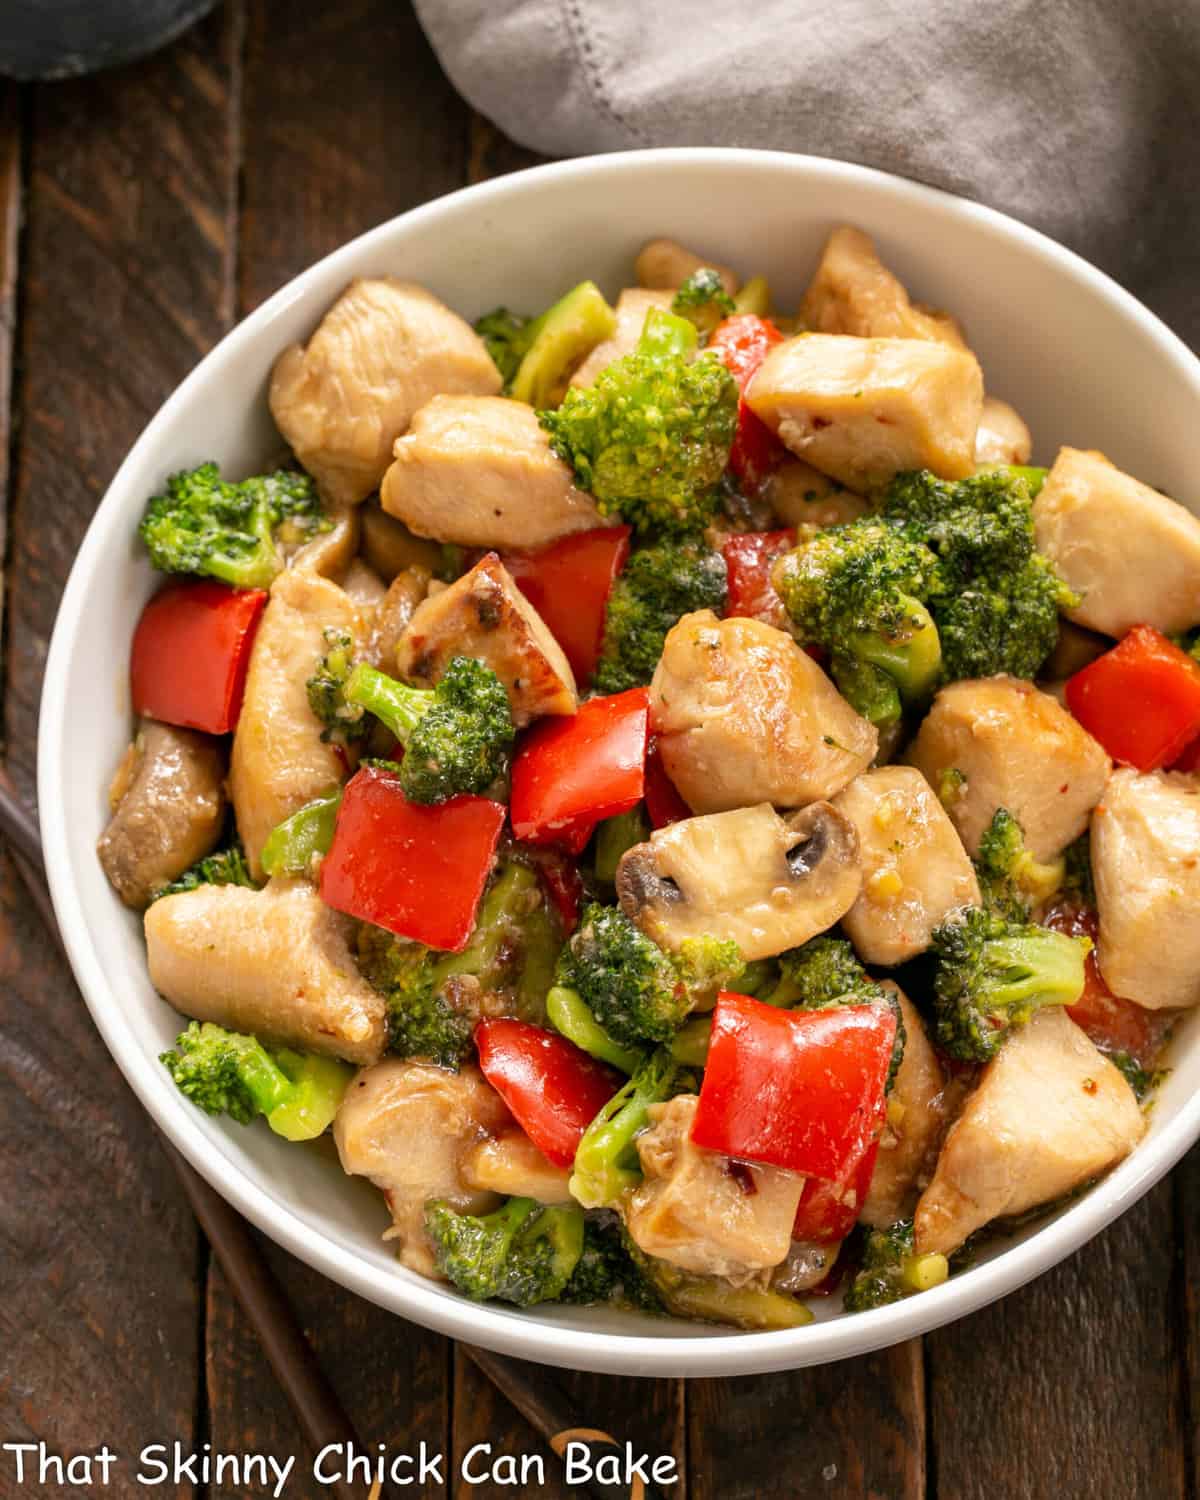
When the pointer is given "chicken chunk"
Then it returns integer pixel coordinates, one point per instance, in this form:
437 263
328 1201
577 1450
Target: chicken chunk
480 471
703 1212
275 962
380 352
1146 860
1132 554
917 1112
743 715
168 809
1003 437
409 1127
632 306
915 869
484 614
1015 747
1050 1113
860 410
666 265
279 760
854 292
511 1165
802 496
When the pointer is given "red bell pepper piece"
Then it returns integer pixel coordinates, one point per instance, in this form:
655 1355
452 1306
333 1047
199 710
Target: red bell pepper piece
742 342
663 803
1113 1023
748 561
562 884
1190 759
569 774
828 1211
568 583
800 1089
1141 700
553 1089
191 649
417 870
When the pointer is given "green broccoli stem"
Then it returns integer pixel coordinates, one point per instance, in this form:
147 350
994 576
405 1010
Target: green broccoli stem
502 909
664 334
317 1087
716 1300
568 1013
754 297
867 689
912 658
689 1045
614 837
397 706
293 844
558 340
1040 968
606 1162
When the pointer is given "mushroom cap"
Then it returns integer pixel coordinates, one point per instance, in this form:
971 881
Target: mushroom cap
768 882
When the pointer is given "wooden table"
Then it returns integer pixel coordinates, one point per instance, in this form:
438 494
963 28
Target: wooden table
142 213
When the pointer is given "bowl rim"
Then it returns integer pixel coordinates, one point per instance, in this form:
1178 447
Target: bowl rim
525 1335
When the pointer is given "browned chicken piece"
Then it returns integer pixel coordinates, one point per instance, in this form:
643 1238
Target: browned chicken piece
381 351
1050 1113
409 1127
168 808
802 496
915 869
917 1114
666 265
390 548
631 308
1003 437
766 882
861 410
1000 742
511 1165
854 292
1131 553
1146 861
393 615
743 715
479 471
275 962
330 553
279 760
703 1212
485 615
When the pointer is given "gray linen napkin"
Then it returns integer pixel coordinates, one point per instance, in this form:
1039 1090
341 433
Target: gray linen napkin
1080 117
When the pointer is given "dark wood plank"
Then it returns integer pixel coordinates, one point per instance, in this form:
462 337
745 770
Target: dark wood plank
651 1414
1072 1386
850 1431
126 280
1185 1181
492 154
10 221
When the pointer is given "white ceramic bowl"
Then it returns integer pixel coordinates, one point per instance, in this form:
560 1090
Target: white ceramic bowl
1082 360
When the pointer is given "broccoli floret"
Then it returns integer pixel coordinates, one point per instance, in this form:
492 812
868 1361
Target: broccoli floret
635 990
344 722
716 1299
857 590
1079 885
997 600
1012 881
651 437
507 336
606 1160
607 1272
225 867
226 1073
522 1253
825 971
1143 1081
658 586
703 300
434 999
205 525
891 1269
992 974
457 736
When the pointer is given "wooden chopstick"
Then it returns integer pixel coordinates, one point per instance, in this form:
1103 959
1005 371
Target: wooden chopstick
318 1412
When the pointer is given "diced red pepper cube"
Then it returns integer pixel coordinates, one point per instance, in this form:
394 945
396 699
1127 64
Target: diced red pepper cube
1141 700
568 583
663 803
749 558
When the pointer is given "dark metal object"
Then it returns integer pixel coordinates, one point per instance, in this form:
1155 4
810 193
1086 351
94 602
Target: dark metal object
65 38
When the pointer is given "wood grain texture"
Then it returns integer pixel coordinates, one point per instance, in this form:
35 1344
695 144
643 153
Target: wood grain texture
850 1431
129 202
10 221
1185 1183
1072 1385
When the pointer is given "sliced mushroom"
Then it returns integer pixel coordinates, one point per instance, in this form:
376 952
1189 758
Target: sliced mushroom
330 552
666 264
768 882
405 592
389 546
168 803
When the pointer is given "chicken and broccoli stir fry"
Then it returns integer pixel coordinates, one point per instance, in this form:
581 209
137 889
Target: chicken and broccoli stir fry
702 819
